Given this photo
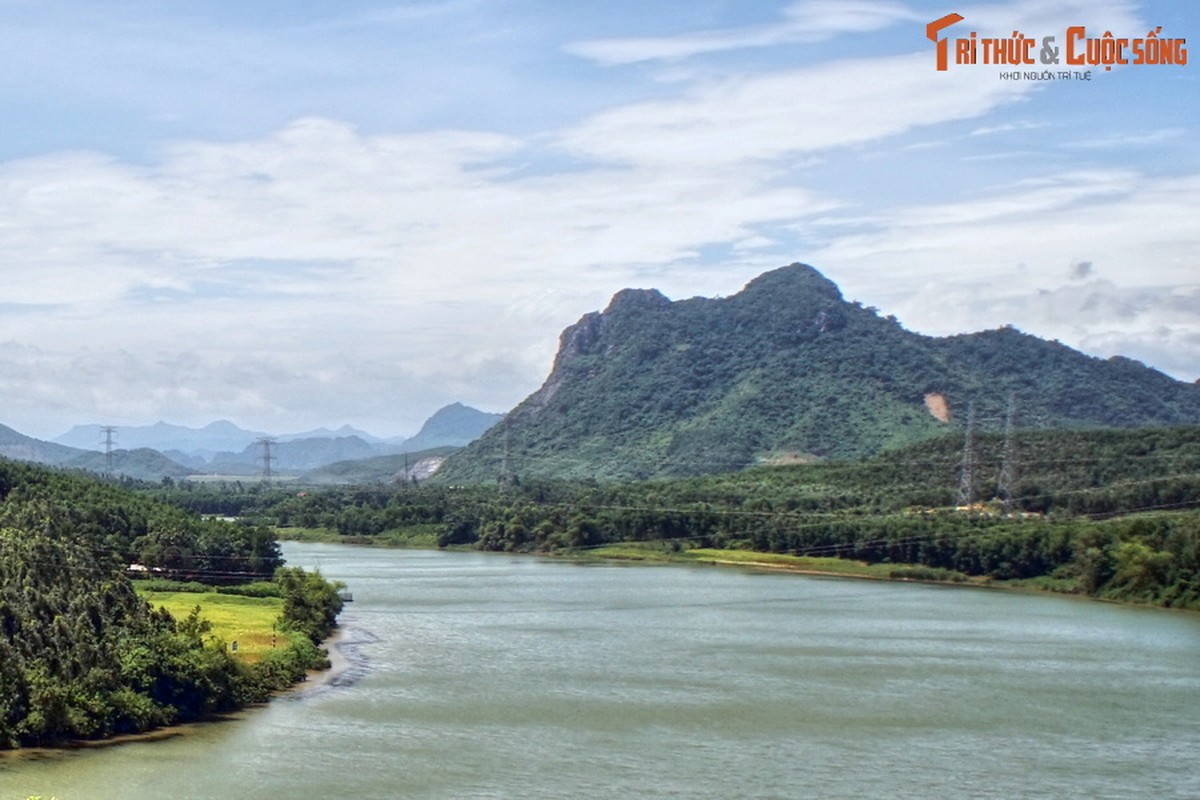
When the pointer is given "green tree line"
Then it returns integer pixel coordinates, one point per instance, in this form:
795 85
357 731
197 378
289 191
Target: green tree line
1106 512
83 656
134 528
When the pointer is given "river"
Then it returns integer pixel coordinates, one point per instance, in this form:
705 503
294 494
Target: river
488 676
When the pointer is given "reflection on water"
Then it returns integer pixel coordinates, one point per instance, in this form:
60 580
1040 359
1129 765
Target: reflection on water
481 676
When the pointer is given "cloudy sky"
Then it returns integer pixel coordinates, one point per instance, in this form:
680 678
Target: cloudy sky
292 214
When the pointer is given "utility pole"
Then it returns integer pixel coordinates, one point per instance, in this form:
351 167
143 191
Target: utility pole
1006 485
109 431
966 482
266 443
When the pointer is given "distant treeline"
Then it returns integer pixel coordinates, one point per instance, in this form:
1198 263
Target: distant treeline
1105 512
133 528
83 656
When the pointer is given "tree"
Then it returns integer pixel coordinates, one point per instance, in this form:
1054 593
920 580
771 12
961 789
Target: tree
310 603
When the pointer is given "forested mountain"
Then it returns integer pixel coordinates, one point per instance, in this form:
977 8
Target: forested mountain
788 370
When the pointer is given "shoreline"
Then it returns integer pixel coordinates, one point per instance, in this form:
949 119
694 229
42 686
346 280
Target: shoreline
339 664
314 680
1022 586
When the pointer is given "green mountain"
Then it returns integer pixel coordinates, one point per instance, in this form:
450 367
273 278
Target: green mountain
788 370
141 464
19 447
454 425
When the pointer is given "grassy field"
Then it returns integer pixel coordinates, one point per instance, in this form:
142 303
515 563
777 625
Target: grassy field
249 621
657 551
419 537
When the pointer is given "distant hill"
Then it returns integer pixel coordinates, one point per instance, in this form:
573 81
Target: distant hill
142 464
788 370
224 448
344 432
19 447
296 455
162 436
405 467
454 425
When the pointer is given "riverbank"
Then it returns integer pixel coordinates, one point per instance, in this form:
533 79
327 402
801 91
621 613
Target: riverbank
664 552
339 664
315 680
670 552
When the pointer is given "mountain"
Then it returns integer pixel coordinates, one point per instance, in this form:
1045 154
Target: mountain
788 370
418 458
224 448
303 454
454 425
19 447
343 432
162 436
142 464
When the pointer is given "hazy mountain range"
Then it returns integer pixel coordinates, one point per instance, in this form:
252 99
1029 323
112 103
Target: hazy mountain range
161 450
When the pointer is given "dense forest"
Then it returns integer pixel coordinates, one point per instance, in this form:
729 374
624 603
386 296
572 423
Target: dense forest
131 527
1112 513
83 656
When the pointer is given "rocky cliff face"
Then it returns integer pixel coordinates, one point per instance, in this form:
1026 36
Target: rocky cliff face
787 368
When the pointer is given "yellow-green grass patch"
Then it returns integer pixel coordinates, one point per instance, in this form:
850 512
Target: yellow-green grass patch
249 621
661 551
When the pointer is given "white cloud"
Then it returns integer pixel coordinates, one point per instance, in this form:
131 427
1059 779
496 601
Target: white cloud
1013 257
758 119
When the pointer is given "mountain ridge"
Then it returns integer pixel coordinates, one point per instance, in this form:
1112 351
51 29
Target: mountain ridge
787 367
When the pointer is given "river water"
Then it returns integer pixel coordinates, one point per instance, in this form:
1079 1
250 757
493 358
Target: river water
487 676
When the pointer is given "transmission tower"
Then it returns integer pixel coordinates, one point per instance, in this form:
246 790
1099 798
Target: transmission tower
1006 485
109 431
505 475
966 482
265 444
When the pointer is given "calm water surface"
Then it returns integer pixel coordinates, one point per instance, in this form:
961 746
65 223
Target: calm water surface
486 676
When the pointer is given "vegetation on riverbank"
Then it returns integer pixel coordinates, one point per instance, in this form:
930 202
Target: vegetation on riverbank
674 552
1106 513
248 623
83 656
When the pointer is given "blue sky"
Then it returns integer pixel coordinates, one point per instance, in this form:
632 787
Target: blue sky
298 214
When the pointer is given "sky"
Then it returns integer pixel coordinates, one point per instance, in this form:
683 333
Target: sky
302 214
